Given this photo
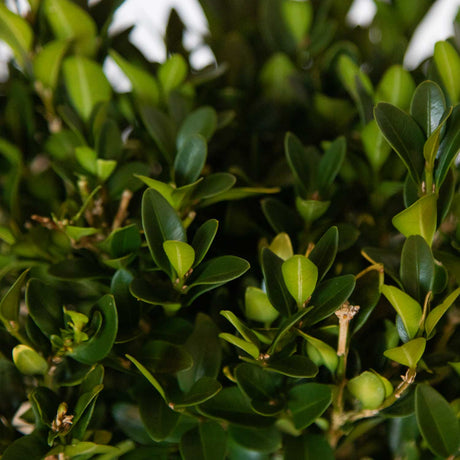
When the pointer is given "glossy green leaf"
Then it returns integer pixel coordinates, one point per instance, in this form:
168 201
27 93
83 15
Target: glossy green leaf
213 185
47 63
124 240
307 402
281 245
258 307
436 314
172 73
449 147
203 239
28 361
428 106
190 159
407 308
298 159
219 270
437 421
238 193
396 87
203 389
281 217
204 347
418 219
277 291
76 233
300 275
160 128
376 147
86 157
417 268
101 342
163 188
208 441
250 348
145 86
148 375
245 332
163 357
307 447
70 22
264 440
17 34
201 121
86 84
447 63
368 389
320 352
311 210
261 387
296 366
44 307
30 446
329 296
10 303
233 406
324 252
161 223
181 255
404 135
84 448
430 149
330 164
408 354
158 418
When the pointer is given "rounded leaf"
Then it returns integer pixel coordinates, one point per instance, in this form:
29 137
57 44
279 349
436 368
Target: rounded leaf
28 361
408 354
181 255
258 307
368 388
300 275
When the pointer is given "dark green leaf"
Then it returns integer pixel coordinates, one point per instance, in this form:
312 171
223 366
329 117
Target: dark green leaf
277 291
428 106
10 303
206 442
297 366
203 239
159 356
158 418
307 402
204 347
214 184
190 159
437 421
298 160
281 217
449 147
219 270
203 389
330 164
324 252
308 447
32 446
329 296
202 121
404 135
124 241
264 440
311 210
161 223
417 267
44 307
160 128
100 343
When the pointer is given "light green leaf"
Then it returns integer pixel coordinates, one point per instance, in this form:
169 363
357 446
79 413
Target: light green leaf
172 73
447 62
407 308
300 275
181 255
376 147
87 158
368 388
311 210
201 121
436 314
47 63
396 87
28 361
144 84
320 352
86 84
258 307
105 168
10 303
298 17
248 347
281 245
408 354
418 219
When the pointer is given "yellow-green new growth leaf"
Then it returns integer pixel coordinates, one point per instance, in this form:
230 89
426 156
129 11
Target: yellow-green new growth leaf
250 348
172 73
144 85
28 361
281 245
70 22
320 352
437 313
47 63
300 275
181 255
408 354
368 388
258 307
448 64
407 308
418 219
17 34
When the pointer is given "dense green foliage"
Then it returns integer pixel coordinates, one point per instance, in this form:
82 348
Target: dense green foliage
256 260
